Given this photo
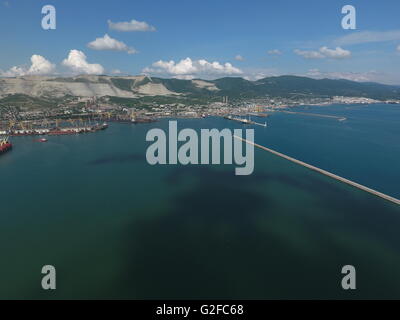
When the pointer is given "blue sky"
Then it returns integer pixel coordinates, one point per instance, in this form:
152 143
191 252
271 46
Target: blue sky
206 39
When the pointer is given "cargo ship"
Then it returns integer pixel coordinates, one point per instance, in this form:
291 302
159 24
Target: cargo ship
142 120
5 145
132 120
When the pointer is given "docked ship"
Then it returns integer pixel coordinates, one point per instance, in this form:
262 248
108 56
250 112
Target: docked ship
57 131
142 120
5 145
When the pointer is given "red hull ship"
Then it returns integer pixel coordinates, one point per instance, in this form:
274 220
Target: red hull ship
5 145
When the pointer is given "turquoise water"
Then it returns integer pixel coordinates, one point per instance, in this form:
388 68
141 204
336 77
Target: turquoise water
116 227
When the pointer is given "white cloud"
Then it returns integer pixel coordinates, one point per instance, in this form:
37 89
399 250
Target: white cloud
369 76
398 48
108 43
257 76
216 67
14 72
185 77
259 73
182 67
368 37
189 68
337 53
274 52
309 54
76 61
39 66
239 58
132 25
324 52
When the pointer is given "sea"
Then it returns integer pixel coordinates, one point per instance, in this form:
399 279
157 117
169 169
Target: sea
115 227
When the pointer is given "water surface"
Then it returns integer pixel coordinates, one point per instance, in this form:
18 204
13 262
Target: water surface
116 227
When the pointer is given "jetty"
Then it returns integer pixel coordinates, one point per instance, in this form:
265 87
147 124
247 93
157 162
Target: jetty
316 115
324 172
258 114
246 121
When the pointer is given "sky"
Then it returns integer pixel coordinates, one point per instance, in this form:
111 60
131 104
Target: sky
202 39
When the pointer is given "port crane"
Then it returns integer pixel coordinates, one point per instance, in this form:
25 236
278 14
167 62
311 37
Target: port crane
108 114
259 109
3 140
11 124
133 116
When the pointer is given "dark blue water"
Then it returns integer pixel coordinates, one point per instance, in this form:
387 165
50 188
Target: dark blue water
364 148
116 227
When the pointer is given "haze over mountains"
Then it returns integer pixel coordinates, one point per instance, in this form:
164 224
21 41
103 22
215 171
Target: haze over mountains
139 86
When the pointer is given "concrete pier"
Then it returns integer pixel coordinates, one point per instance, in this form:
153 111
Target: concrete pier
326 173
246 121
315 115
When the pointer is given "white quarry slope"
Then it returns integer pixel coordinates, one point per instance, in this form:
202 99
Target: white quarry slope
80 86
205 85
41 86
154 89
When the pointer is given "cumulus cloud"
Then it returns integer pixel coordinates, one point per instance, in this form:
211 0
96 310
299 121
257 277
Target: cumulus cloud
130 26
275 52
189 68
239 58
368 37
77 62
13 72
324 52
108 43
39 66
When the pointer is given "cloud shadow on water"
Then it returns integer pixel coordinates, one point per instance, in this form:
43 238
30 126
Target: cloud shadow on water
209 244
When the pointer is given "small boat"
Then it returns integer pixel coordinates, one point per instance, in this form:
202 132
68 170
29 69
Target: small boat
42 140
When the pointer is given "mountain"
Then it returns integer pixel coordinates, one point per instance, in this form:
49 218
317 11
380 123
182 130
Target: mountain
81 86
142 86
289 86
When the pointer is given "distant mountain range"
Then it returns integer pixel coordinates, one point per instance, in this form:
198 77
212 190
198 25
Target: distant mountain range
140 86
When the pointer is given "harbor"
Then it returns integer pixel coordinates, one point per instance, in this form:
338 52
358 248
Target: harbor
58 129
